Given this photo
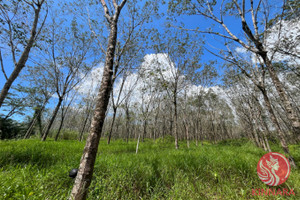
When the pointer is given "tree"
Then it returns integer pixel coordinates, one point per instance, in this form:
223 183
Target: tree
85 172
255 41
205 78
39 92
121 97
147 94
89 104
64 109
11 129
67 65
112 11
16 29
180 59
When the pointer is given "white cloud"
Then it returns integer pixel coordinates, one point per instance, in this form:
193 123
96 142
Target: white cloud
286 36
91 83
282 36
241 50
153 65
159 63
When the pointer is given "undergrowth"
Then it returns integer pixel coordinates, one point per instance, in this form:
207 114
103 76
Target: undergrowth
31 169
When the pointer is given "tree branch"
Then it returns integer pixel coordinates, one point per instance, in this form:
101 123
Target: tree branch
94 33
115 4
2 67
106 11
42 25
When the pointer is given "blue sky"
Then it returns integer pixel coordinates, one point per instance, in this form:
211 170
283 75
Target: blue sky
190 22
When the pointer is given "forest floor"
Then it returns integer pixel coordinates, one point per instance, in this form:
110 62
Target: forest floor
31 169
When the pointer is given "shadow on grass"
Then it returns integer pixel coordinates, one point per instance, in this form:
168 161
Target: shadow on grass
39 159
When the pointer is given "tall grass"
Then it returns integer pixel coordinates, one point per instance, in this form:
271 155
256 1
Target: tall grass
30 169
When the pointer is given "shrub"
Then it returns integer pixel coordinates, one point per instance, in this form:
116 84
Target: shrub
68 135
11 129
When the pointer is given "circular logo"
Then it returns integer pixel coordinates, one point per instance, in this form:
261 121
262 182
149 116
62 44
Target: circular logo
273 169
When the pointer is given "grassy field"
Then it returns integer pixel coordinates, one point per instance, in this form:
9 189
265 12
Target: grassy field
30 169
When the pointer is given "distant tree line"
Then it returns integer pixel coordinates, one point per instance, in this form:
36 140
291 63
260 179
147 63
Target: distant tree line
153 82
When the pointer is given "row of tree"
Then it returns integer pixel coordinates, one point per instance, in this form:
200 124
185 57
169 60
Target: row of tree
169 92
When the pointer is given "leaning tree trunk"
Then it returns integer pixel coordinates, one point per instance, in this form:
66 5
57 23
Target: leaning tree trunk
45 135
277 83
30 129
86 120
278 128
264 125
86 168
84 125
284 98
137 144
24 57
38 119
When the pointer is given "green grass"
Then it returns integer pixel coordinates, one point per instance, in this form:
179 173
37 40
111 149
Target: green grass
30 169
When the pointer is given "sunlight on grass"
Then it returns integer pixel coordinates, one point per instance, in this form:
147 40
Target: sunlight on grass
30 169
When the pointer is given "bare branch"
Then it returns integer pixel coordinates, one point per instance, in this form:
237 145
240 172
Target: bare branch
254 17
221 10
232 37
243 5
289 53
248 31
122 4
2 67
235 38
94 33
115 4
42 25
106 11
29 3
279 32
118 9
12 46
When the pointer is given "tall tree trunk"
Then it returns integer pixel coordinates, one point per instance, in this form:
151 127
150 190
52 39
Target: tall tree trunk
155 122
163 128
278 85
112 125
278 128
284 97
196 131
187 134
254 125
144 129
137 144
86 168
127 124
175 122
118 123
84 124
24 57
45 135
39 121
264 125
263 144
60 126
